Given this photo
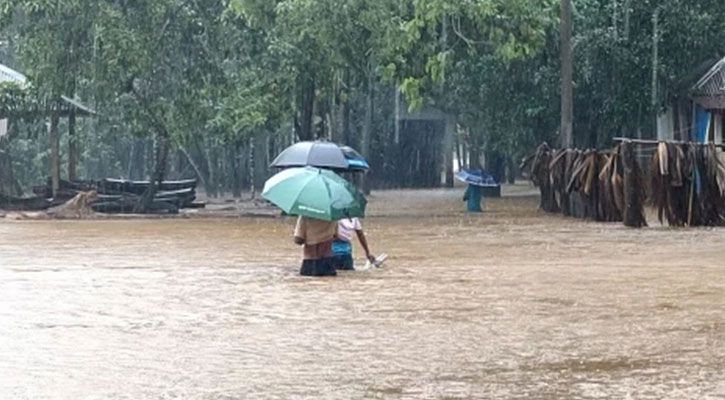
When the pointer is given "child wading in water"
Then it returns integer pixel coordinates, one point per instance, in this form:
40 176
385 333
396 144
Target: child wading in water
342 245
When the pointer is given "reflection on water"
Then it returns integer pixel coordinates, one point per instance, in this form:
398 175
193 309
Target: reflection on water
510 304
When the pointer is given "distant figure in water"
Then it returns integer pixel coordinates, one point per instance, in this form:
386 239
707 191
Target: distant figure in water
342 245
473 196
316 238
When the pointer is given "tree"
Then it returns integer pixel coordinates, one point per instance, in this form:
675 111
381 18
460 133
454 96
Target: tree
54 46
567 80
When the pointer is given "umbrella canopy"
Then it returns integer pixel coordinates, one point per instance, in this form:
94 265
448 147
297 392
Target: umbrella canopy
477 177
321 154
355 161
316 154
315 193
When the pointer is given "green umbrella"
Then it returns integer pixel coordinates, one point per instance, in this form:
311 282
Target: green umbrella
314 193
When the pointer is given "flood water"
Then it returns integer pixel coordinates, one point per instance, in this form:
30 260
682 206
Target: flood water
511 304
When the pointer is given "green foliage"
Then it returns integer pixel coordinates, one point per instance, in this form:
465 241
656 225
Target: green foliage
212 74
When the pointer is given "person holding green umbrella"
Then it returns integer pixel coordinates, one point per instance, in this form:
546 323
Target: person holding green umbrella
316 236
320 198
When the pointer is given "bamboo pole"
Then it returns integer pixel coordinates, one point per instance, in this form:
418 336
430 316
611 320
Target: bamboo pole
646 141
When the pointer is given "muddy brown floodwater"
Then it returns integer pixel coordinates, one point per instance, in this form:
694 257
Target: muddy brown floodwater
511 304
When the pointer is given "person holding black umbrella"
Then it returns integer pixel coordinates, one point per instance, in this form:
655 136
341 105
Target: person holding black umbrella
320 198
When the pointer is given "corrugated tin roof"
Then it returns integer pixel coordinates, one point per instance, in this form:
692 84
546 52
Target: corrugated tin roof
8 74
709 91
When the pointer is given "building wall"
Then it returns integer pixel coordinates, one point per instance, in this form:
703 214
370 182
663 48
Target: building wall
666 124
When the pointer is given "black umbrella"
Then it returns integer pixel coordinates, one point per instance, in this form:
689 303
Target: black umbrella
316 154
319 154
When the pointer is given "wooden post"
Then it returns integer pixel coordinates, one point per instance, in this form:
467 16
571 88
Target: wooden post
633 190
54 153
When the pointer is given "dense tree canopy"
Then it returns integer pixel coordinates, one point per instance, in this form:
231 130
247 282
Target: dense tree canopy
214 88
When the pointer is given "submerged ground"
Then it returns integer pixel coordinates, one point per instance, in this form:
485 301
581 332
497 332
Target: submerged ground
511 304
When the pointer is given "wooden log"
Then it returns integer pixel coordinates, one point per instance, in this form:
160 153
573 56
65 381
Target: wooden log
121 196
197 205
43 191
10 203
127 206
140 187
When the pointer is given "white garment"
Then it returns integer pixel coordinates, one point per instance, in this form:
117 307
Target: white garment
346 228
3 127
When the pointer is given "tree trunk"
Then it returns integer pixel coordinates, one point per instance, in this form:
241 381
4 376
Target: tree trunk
303 125
448 143
161 152
511 170
72 147
214 170
496 165
396 132
205 152
320 130
333 115
137 169
655 54
567 73
246 162
237 170
615 18
7 179
368 130
54 153
129 166
197 171
474 161
627 17
260 160
346 131
459 153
